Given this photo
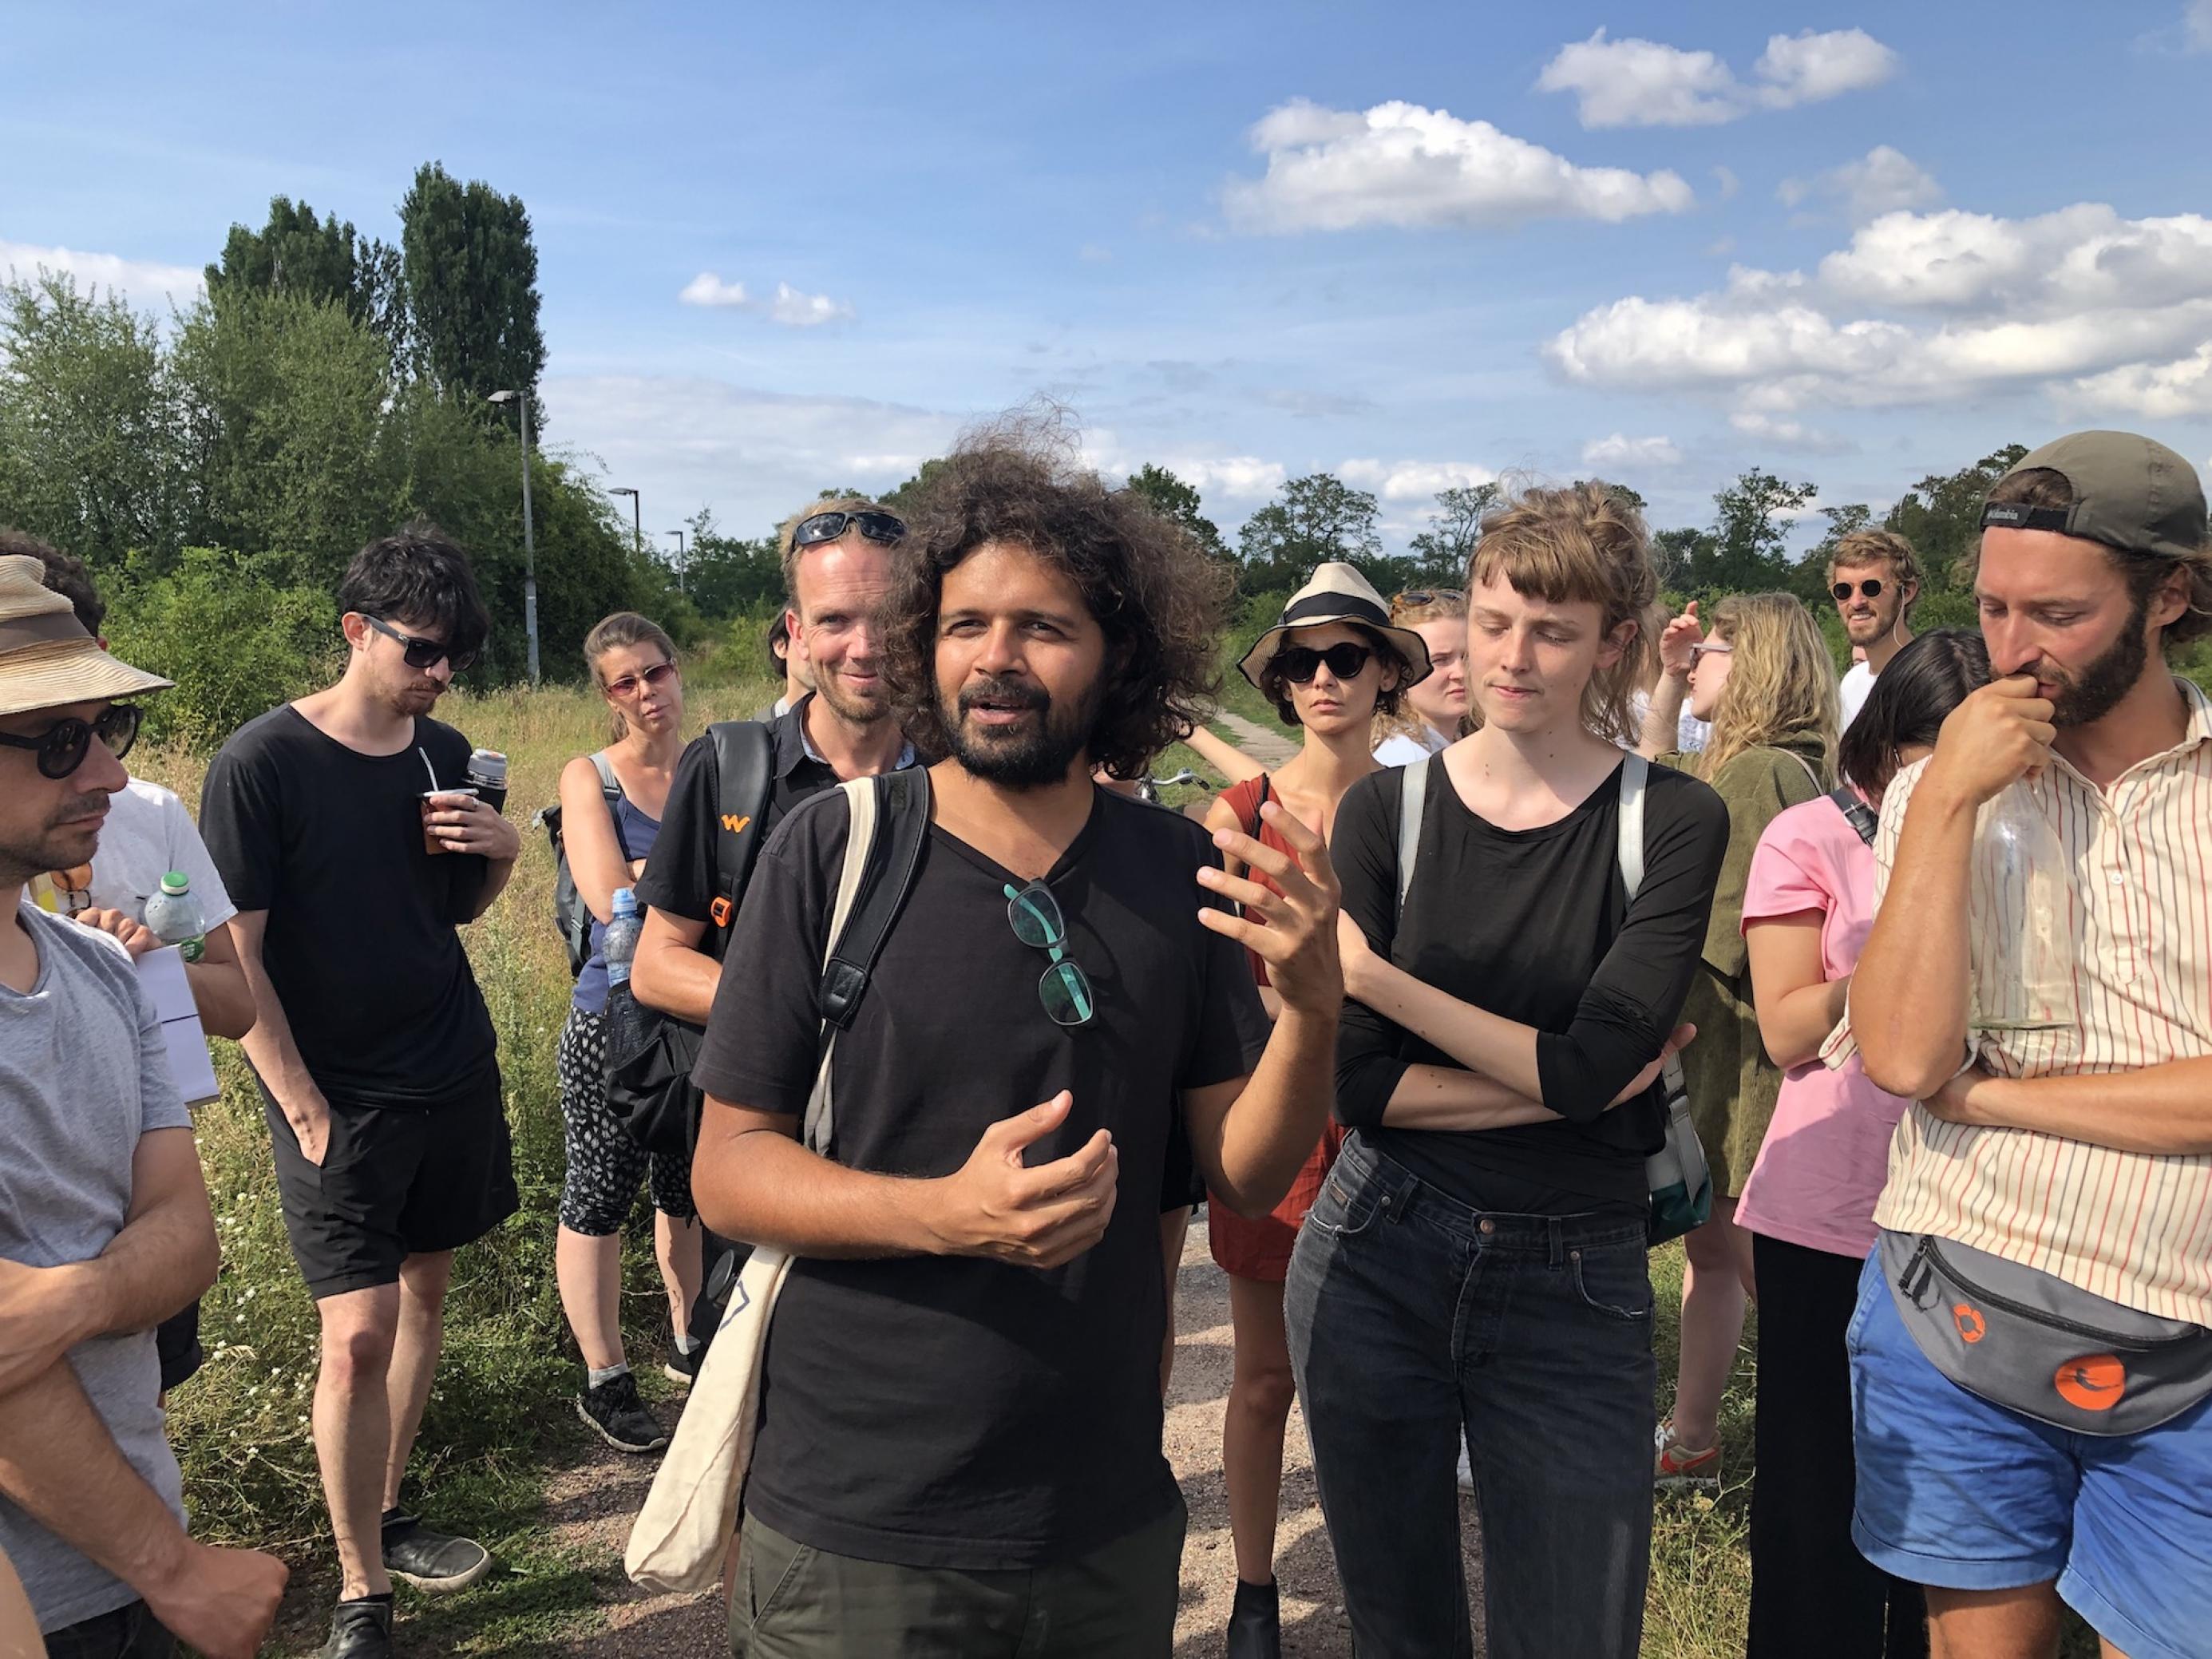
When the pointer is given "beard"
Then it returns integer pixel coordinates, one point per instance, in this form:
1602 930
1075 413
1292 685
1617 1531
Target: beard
1037 753
1884 621
64 841
2094 693
831 688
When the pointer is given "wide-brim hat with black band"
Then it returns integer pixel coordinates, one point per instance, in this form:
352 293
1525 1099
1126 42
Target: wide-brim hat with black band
47 660
2129 492
1336 593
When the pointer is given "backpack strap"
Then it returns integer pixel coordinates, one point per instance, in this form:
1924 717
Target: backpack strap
1628 850
611 788
888 821
1412 796
1858 813
745 768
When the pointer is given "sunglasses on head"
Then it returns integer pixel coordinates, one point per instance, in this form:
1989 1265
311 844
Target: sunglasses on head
1298 663
656 677
420 653
1871 588
62 747
820 528
1413 598
1703 650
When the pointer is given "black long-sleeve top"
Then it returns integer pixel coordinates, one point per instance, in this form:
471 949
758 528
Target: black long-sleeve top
1534 926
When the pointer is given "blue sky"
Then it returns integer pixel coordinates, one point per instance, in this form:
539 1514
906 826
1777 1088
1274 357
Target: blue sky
1415 245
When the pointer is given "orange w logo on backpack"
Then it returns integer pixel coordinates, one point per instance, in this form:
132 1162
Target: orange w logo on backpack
1972 1329
735 824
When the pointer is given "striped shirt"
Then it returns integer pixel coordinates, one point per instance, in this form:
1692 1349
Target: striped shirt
2133 1227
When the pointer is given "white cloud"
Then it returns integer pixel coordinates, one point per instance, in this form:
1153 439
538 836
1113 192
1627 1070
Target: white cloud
1634 82
146 283
2161 391
1728 182
1240 477
787 305
2197 25
1782 433
1883 180
1927 307
1400 164
1413 481
1621 450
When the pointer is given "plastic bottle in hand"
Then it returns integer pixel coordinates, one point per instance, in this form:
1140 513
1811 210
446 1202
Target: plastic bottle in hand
173 915
2022 910
621 936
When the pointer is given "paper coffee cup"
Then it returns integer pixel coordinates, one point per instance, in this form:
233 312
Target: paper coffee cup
430 799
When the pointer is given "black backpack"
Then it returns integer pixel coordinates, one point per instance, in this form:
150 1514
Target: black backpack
571 915
649 1054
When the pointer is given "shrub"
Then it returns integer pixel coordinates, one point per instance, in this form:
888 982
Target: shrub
233 636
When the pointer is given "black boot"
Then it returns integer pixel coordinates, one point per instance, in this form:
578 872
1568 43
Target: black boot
1255 1623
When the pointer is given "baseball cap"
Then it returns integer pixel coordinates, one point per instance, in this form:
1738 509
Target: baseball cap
2129 492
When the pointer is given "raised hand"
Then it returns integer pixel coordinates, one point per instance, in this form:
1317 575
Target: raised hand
1999 734
1293 931
998 1206
1677 639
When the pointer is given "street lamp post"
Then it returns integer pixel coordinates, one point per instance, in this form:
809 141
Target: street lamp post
680 558
529 541
636 530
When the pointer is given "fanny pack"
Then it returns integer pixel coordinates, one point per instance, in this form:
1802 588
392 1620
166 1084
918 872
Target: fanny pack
2047 1349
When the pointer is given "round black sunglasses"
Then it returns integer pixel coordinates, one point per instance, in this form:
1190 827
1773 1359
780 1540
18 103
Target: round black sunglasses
62 747
1298 663
1871 588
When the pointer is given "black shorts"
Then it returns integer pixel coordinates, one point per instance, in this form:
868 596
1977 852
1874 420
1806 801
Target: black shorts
393 1183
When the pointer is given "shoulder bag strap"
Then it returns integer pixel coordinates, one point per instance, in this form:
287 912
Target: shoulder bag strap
1858 813
1635 773
610 787
890 822
1412 796
744 766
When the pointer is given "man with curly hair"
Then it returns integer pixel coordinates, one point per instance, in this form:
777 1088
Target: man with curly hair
960 1446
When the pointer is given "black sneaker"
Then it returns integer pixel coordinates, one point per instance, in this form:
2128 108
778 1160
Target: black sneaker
620 1417
681 1368
360 1630
434 1562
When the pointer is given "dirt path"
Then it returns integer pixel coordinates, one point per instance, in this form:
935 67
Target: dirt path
1268 748
589 1508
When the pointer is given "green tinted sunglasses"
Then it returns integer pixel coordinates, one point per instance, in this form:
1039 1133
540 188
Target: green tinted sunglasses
1065 989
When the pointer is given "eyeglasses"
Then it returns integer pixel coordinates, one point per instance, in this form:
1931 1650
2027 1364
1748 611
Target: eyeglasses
1065 990
1414 596
1298 663
820 528
62 747
656 677
1871 588
1697 652
422 653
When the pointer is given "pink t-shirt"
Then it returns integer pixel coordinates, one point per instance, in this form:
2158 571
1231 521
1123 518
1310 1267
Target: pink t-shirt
1826 1152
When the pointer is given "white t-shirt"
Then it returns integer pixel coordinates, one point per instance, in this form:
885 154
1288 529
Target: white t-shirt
1852 692
148 834
1403 749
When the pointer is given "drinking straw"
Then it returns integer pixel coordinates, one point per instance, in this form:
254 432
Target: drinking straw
427 767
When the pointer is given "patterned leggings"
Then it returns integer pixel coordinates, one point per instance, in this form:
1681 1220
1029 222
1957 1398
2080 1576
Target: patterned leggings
604 1164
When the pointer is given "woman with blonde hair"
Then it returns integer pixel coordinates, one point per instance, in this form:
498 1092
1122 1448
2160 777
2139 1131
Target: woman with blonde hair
1762 675
1474 1267
611 807
1434 711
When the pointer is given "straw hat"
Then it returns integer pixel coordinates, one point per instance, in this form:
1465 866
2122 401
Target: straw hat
46 658
1336 593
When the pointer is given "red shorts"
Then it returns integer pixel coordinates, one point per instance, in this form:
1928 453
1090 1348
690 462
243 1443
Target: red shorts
1260 1249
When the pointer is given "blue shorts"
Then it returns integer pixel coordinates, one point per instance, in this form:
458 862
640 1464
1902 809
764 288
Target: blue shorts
1961 1494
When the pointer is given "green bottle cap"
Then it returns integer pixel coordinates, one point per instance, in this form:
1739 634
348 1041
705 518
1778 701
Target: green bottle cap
176 882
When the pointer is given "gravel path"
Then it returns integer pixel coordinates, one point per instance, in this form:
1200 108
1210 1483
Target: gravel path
590 1509
1268 748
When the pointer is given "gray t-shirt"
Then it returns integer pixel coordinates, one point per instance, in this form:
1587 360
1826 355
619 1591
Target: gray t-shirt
83 1073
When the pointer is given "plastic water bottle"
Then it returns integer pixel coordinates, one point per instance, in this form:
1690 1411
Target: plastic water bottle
621 936
173 915
2021 907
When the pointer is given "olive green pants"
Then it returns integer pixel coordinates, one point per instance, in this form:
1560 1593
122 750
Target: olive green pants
1117 1602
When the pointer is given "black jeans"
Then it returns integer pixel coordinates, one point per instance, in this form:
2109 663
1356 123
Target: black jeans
1413 1318
128 1633
1812 1594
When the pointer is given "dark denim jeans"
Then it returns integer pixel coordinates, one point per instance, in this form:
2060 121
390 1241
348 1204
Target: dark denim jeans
128 1633
1412 1317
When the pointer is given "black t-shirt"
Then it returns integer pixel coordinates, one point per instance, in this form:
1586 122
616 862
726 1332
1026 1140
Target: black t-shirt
1534 926
360 943
952 1413
681 878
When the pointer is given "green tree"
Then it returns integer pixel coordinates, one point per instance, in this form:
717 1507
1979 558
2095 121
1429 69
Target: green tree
1941 515
730 576
297 253
902 499
471 284
1178 501
90 423
1315 519
1747 552
1441 552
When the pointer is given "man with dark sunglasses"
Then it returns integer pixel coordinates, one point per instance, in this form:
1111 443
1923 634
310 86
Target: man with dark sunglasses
959 1448
105 1230
1874 580
341 829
